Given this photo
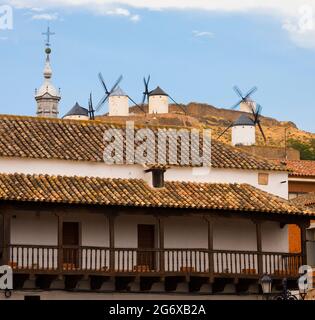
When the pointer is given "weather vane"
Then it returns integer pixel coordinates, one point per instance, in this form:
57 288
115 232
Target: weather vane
48 34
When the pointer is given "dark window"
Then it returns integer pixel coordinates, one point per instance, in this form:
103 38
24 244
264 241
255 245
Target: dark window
146 240
158 178
70 234
146 236
71 243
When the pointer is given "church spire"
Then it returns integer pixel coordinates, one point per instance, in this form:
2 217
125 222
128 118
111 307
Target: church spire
47 96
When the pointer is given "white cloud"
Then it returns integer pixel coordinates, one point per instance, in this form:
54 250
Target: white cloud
288 12
118 12
301 28
45 16
122 12
37 9
277 6
135 18
207 34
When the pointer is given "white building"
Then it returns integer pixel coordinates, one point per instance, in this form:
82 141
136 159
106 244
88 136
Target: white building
66 213
77 113
158 101
243 132
118 102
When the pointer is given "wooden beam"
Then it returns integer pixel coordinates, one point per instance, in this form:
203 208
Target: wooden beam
111 226
259 247
60 242
1 238
263 216
210 248
161 243
6 224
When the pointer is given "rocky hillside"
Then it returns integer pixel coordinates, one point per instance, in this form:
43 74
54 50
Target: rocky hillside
203 115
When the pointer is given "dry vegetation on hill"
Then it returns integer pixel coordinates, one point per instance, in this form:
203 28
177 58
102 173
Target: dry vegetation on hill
207 116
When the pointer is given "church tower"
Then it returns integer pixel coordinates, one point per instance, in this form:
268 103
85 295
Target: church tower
47 96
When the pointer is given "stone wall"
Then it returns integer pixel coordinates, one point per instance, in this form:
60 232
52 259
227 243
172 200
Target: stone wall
272 152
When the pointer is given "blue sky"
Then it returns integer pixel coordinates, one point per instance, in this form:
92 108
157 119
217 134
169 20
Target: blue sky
194 54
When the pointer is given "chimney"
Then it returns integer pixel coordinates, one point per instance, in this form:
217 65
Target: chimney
157 178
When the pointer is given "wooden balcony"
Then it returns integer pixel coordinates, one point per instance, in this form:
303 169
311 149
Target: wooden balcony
151 262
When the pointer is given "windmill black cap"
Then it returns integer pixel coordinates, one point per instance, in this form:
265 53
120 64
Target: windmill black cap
243 121
77 110
158 92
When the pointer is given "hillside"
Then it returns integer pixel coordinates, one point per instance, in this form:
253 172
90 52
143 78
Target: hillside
207 116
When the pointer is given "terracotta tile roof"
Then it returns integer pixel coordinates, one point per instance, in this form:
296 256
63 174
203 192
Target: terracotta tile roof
137 193
307 200
44 138
299 168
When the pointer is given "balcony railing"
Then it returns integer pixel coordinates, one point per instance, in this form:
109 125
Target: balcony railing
92 260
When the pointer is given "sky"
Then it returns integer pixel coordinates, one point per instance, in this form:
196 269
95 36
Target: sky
195 50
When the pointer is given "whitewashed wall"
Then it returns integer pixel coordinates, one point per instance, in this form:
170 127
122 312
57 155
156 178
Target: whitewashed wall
158 104
36 229
243 135
228 234
68 168
118 106
126 230
212 175
42 228
272 243
185 232
180 232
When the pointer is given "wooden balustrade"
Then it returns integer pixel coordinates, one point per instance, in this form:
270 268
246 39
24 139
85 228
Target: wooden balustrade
93 260
31 257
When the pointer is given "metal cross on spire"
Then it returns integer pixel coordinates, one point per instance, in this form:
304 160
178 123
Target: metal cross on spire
48 34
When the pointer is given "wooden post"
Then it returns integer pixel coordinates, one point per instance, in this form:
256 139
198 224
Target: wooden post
259 248
161 243
60 240
6 238
210 248
111 224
